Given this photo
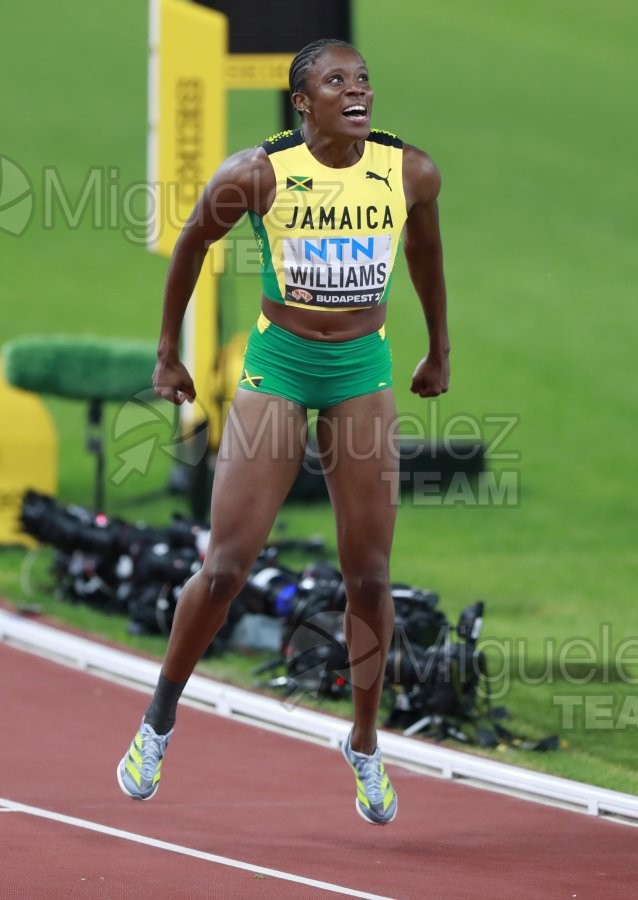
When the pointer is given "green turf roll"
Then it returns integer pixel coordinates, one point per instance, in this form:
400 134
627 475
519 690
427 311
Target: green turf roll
79 367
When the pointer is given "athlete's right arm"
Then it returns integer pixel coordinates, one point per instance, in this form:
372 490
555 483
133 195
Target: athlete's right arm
245 181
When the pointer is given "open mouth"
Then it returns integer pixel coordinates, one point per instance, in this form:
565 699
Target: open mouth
357 111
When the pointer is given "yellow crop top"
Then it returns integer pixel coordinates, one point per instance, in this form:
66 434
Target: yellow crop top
330 238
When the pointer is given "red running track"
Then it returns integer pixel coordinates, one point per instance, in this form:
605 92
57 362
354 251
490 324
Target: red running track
237 791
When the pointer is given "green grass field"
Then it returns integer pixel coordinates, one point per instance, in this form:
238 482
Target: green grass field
527 111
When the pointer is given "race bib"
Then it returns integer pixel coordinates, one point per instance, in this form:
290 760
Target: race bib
337 272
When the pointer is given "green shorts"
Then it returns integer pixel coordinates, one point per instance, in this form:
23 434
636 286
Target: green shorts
314 374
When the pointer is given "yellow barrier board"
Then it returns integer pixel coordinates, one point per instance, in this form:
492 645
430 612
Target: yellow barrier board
28 456
190 73
187 111
187 143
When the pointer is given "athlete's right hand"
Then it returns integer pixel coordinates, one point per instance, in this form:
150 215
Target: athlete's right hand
172 381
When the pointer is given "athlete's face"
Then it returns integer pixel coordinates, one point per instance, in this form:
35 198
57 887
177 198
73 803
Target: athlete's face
338 94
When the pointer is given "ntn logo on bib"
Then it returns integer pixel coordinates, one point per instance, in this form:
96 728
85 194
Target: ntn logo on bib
338 272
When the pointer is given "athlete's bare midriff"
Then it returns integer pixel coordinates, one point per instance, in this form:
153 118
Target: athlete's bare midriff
324 325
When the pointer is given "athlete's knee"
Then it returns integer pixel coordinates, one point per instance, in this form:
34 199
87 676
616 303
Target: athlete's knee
223 579
369 589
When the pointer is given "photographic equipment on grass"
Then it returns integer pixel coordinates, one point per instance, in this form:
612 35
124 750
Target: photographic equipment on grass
113 564
438 684
313 644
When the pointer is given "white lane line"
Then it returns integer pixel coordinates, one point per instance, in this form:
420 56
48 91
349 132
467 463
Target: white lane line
13 806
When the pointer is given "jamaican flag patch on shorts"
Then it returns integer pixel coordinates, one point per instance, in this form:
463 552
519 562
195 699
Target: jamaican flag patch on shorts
252 380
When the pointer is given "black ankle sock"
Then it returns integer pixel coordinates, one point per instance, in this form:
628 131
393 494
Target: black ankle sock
161 713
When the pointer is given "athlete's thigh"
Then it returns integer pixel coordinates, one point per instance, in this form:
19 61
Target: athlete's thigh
260 453
359 452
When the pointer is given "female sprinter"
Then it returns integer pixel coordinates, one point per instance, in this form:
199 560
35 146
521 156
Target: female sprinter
328 204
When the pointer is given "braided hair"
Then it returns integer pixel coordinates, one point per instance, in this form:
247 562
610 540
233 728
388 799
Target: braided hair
307 57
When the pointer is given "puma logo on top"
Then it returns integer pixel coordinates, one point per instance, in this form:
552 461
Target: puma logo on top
379 177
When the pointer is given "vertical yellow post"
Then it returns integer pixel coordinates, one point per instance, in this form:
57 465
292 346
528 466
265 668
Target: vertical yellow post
187 142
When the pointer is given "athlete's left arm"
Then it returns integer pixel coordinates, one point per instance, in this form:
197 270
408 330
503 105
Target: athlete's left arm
424 254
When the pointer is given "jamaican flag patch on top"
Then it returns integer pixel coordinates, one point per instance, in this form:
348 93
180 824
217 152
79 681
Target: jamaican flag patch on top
298 183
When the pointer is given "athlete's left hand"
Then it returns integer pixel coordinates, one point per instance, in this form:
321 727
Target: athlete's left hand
432 376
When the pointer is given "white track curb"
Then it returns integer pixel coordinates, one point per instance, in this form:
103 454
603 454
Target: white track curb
255 709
